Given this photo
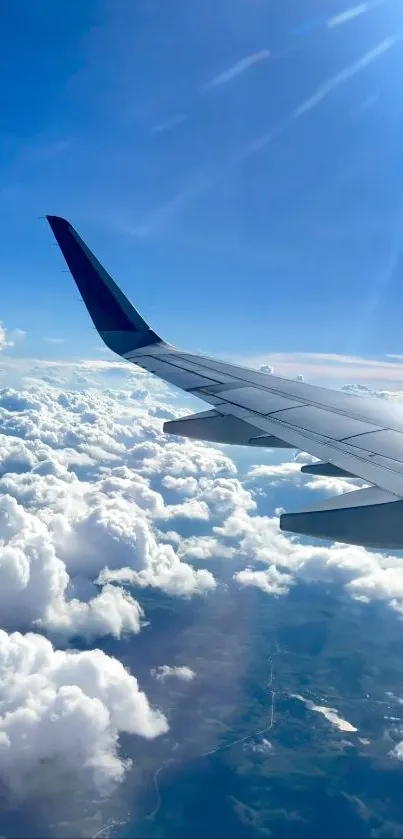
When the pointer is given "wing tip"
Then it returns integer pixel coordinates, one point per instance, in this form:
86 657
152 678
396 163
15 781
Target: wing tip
55 221
118 323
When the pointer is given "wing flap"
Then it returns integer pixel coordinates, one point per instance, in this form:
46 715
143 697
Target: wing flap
371 517
326 470
214 427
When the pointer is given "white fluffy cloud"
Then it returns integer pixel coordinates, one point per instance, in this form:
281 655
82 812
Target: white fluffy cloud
34 582
263 747
77 504
366 575
93 494
266 368
275 474
164 672
95 498
65 710
9 338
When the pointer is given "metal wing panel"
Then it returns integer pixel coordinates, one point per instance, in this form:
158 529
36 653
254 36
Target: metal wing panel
317 440
179 376
146 360
256 399
324 422
381 412
378 412
385 443
356 461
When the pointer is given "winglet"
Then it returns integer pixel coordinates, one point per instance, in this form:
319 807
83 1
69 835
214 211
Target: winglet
117 321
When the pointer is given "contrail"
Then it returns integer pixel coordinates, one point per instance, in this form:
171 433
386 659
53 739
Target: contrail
170 123
344 76
320 94
348 15
352 13
202 181
238 68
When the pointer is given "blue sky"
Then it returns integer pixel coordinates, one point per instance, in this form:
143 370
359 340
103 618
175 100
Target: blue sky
235 165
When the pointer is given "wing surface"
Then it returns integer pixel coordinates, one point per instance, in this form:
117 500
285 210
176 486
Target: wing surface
351 435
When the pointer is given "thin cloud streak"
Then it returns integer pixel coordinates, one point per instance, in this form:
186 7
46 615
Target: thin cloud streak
348 15
200 182
238 68
344 76
170 123
197 183
321 93
352 13
366 104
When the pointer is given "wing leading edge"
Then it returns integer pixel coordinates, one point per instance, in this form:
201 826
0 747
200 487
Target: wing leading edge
350 435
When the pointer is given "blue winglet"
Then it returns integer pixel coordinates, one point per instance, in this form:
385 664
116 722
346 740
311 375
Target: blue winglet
117 321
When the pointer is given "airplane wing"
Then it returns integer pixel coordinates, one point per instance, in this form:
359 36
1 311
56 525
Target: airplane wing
352 436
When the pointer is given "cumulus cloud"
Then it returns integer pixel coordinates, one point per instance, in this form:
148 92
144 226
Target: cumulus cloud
34 582
276 474
271 580
164 672
204 547
9 337
83 479
183 486
92 487
262 747
96 503
94 495
177 578
62 712
366 575
266 368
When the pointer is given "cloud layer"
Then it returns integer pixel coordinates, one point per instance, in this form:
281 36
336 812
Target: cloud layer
94 498
76 500
96 504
